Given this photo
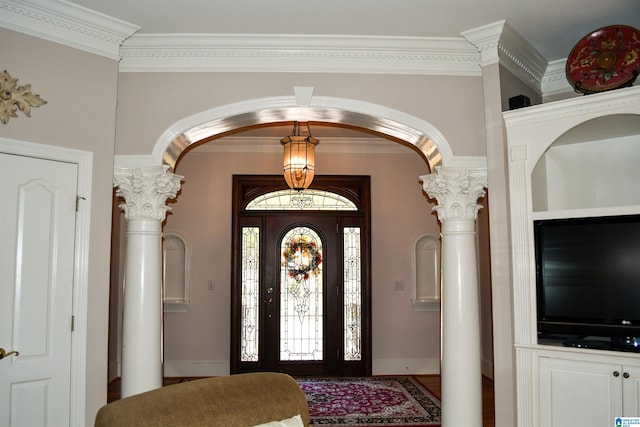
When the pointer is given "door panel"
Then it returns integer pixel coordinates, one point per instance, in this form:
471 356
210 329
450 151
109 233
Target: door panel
580 393
291 299
37 229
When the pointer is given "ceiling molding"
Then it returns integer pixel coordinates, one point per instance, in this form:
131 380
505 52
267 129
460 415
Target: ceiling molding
520 57
555 80
499 43
486 40
68 24
299 53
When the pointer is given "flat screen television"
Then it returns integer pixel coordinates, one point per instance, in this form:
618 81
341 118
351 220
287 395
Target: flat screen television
588 277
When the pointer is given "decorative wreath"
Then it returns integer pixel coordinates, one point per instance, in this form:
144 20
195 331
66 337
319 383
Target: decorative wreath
302 258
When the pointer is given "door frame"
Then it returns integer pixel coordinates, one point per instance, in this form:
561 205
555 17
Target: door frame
356 189
84 162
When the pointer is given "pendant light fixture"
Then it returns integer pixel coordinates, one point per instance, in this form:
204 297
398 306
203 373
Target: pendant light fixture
299 158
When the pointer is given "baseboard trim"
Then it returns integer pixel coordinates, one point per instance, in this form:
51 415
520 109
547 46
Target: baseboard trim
406 366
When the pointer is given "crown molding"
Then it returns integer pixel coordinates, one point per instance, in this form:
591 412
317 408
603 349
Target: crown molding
68 24
555 80
486 39
499 43
299 53
520 57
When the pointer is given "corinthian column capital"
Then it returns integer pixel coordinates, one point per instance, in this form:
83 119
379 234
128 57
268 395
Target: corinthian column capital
457 192
145 191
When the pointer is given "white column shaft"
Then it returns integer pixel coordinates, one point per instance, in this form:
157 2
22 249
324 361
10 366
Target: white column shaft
461 374
142 316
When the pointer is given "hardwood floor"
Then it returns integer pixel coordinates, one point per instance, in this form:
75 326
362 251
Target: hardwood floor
432 382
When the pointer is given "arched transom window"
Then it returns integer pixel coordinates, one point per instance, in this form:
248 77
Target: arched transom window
310 199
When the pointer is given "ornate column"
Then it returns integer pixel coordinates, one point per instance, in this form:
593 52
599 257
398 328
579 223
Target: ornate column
457 192
145 192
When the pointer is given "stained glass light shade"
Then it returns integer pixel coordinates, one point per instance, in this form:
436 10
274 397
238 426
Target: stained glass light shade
299 159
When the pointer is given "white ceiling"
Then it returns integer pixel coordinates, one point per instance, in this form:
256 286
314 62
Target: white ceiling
552 26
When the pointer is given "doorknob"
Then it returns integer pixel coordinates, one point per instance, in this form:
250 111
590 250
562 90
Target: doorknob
4 353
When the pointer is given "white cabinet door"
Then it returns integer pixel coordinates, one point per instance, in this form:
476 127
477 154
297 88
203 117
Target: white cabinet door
579 393
37 230
631 391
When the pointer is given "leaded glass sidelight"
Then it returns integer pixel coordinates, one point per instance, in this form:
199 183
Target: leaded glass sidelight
250 294
352 294
301 296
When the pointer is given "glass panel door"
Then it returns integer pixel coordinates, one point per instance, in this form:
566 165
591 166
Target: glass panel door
301 296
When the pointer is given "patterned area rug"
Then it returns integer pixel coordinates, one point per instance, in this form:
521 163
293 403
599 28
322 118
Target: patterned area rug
371 401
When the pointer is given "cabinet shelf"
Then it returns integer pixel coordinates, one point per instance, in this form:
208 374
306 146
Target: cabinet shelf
585 213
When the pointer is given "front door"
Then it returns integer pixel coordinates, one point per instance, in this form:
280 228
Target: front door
37 230
301 283
300 320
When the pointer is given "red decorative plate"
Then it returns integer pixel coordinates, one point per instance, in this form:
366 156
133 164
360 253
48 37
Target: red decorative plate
605 59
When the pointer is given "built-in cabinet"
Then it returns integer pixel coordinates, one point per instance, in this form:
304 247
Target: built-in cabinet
568 159
587 389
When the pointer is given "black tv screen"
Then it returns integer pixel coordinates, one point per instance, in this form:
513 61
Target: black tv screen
588 276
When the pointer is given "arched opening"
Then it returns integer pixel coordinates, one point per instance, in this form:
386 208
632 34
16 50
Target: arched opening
395 125
205 193
264 117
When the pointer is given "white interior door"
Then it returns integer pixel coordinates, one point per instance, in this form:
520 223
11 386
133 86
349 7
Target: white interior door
37 234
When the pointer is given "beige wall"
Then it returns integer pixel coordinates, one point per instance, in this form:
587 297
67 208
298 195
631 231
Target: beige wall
404 341
149 103
511 86
80 90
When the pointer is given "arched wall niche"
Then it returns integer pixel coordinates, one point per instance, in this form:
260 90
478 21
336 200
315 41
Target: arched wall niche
601 128
209 124
599 154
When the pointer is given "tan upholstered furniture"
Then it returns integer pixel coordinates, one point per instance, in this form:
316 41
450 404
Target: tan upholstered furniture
242 400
